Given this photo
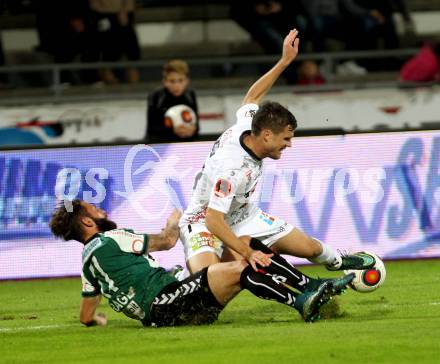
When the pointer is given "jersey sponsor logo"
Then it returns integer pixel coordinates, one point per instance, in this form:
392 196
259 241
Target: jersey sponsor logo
204 238
222 188
90 248
198 216
137 246
250 113
124 302
127 241
268 219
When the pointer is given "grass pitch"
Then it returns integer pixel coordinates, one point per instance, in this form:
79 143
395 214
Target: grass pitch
399 323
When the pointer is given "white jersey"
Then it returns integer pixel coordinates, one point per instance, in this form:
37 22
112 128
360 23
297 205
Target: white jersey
229 176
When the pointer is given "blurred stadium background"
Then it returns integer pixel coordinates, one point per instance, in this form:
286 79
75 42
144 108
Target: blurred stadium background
40 109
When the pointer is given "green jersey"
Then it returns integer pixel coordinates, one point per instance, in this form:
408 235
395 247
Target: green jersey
115 264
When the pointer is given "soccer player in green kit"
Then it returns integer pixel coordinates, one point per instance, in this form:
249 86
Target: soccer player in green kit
117 265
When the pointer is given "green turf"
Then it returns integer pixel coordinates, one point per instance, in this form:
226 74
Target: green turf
399 323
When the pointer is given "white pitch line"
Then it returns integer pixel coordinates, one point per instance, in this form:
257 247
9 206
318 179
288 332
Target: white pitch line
31 328
435 303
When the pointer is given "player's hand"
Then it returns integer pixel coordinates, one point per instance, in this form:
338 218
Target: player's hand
185 131
290 46
171 230
173 219
101 319
257 257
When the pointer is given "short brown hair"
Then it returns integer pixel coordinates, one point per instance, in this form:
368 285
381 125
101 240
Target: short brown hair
273 116
175 65
66 224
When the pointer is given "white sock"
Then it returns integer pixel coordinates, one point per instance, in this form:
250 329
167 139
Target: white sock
329 256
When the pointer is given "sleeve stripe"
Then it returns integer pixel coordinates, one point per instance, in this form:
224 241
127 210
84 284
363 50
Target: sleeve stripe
90 294
144 250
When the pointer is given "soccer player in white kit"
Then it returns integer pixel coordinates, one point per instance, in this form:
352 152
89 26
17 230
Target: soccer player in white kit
220 210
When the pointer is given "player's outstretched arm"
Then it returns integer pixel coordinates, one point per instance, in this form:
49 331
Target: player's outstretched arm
167 238
216 224
265 82
87 313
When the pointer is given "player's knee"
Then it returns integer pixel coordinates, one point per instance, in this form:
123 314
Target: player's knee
238 266
229 272
242 264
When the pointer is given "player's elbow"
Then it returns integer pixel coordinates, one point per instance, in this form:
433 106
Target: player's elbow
251 99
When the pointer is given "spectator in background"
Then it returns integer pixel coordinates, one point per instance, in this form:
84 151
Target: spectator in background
343 20
114 35
308 74
267 22
174 92
65 36
387 29
423 67
3 77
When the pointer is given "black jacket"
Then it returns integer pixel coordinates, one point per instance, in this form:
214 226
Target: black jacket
158 103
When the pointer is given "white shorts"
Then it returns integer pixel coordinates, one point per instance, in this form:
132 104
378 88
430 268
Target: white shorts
196 238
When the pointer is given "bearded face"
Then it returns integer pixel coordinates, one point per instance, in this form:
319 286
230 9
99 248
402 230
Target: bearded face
104 224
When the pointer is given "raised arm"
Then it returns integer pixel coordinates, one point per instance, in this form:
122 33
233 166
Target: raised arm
265 82
167 238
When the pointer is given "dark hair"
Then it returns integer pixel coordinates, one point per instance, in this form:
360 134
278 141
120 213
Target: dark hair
66 224
273 116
